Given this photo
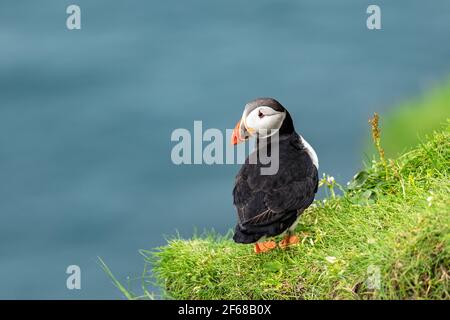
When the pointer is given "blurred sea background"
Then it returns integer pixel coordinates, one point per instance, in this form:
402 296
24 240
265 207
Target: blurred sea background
86 116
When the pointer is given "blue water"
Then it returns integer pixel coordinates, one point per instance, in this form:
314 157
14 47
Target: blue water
86 116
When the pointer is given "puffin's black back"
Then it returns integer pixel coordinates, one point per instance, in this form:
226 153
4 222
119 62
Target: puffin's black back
269 204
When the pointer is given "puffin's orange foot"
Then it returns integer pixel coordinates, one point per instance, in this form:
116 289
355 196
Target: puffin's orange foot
289 241
261 247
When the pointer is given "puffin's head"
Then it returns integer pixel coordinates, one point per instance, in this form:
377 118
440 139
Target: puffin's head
262 118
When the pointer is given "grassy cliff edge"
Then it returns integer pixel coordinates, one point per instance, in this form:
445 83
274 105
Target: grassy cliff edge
387 237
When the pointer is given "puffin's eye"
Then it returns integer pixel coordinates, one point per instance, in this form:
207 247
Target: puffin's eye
260 114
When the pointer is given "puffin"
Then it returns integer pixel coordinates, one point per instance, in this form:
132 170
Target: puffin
269 205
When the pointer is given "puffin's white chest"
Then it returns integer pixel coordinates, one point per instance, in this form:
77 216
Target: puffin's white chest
312 154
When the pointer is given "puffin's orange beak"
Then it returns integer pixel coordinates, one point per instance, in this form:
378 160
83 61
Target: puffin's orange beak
236 136
239 133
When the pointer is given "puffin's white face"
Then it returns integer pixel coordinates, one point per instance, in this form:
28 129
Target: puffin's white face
261 121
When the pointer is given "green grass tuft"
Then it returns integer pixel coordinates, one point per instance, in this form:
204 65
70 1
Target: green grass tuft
387 237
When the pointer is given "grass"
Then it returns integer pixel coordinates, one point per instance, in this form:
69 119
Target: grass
386 237
407 122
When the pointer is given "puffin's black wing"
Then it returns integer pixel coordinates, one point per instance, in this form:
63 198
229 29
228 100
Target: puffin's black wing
268 205
294 196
